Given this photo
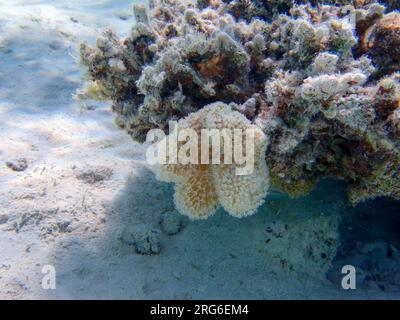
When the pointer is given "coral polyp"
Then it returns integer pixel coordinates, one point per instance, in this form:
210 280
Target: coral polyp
319 78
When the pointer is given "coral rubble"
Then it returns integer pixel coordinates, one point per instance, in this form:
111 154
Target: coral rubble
18 165
319 78
171 222
145 238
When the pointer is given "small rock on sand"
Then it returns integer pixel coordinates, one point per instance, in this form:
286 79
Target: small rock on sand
171 222
18 164
144 237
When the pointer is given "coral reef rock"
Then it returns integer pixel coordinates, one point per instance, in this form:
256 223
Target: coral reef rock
320 78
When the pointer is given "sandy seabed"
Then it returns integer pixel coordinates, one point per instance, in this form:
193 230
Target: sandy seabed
86 182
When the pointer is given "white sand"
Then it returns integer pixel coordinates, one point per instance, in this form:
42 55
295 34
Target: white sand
50 216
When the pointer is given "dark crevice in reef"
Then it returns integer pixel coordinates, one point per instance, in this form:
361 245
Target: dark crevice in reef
370 241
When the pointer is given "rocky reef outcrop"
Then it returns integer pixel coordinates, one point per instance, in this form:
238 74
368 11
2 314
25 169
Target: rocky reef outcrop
319 78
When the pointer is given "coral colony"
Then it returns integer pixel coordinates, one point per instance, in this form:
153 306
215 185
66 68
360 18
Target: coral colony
222 180
317 82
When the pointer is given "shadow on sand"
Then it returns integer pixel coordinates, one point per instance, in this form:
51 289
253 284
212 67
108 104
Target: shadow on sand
222 257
